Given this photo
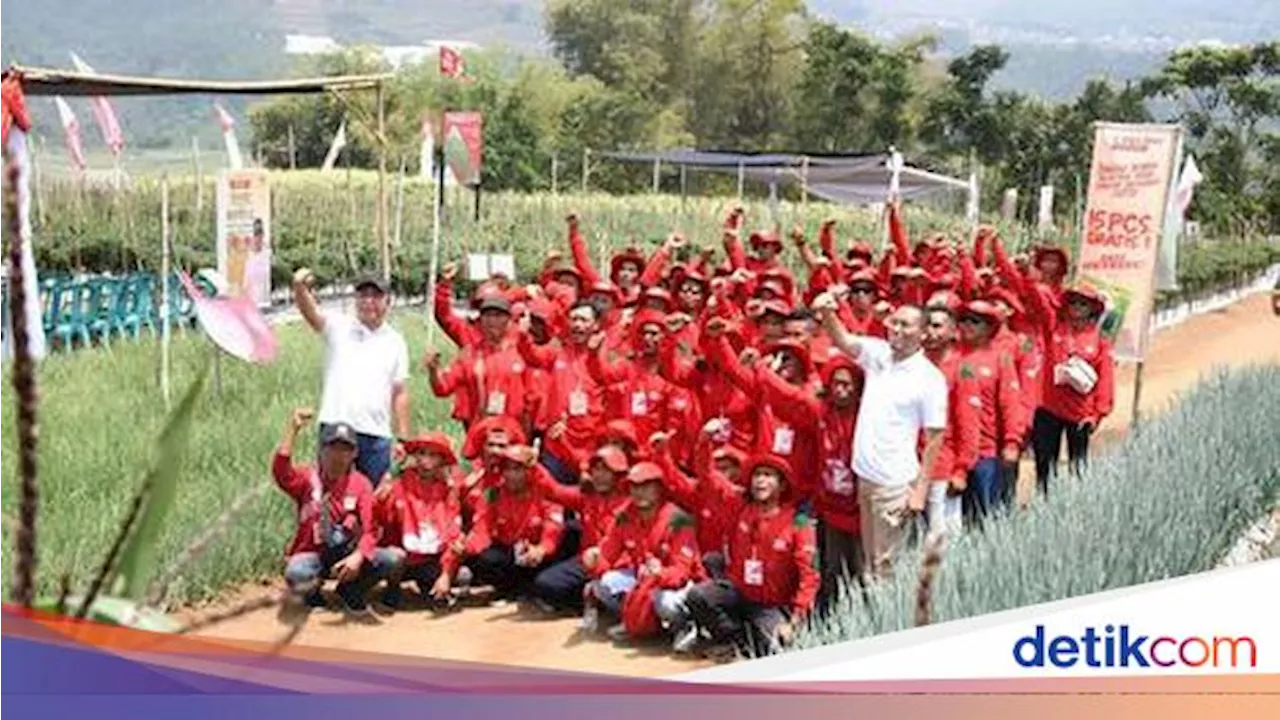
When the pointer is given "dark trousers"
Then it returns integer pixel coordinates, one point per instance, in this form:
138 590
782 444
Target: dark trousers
559 469
562 584
840 555
1046 441
497 566
718 608
987 489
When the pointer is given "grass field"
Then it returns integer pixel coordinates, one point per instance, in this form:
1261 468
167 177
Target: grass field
99 413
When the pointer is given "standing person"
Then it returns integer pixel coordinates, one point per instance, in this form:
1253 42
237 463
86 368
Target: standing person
1079 383
366 366
904 395
949 475
335 534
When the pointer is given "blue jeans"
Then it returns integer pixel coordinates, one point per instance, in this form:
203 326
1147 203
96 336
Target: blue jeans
612 587
305 571
373 455
561 584
986 490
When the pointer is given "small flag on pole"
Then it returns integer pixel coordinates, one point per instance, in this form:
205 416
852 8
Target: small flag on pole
452 64
234 324
1187 182
339 142
427 155
1167 259
71 132
103 112
228 125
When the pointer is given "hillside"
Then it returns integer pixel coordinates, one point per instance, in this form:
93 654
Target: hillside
1055 48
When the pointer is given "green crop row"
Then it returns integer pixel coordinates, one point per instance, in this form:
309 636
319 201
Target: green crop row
329 222
1098 533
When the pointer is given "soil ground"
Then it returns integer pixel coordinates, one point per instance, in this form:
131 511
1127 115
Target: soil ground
1244 334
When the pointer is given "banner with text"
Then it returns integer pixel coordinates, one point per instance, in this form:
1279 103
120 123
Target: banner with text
464 145
244 233
1124 216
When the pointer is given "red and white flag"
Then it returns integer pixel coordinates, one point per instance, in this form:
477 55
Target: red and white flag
1187 182
451 63
17 123
228 125
234 324
103 113
71 133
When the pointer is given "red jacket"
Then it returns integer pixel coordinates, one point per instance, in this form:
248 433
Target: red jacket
666 534
572 396
700 497
1061 342
637 392
788 422
349 501
487 379
1001 412
505 518
959 451
773 558
1028 360
422 517
461 332
715 394
596 511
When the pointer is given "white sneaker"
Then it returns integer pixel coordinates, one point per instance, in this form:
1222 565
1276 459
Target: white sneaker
590 619
618 633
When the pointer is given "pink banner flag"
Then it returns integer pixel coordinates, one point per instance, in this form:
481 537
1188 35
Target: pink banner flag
234 324
103 113
71 133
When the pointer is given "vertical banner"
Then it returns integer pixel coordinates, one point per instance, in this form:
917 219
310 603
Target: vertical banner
1009 205
1044 218
244 234
1167 266
1124 216
463 139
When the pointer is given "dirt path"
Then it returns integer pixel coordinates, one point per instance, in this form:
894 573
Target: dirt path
1246 333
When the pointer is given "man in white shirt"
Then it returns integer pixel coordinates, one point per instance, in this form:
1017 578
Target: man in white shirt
366 367
904 396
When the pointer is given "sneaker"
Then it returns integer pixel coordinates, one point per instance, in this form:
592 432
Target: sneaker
393 597
686 639
314 600
618 633
590 619
545 607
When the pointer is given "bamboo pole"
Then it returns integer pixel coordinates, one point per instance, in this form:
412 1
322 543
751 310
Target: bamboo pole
165 336
383 237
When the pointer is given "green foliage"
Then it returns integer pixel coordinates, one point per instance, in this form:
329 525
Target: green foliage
1175 524
137 560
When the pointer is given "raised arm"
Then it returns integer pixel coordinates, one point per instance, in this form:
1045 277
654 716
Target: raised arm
581 256
303 279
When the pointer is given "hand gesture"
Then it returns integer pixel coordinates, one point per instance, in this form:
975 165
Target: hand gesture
659 441
734 219
348 568
596 341
828 225
556 430
652 566
785 633
304 277
675 241
754 307
824 303
384 488
797 235
591 557
716 327
440 589
301 417
749 357
572 219
741 275
431 362
675 322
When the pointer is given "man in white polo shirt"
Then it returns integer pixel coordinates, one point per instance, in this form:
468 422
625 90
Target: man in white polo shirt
903 398
366 367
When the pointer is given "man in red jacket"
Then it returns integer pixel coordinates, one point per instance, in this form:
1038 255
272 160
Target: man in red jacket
490 373
421 520
597 501
773 580
336 530
949 475
518 530
1000 408
645 564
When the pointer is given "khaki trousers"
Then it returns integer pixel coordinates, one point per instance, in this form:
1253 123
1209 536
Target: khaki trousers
882 512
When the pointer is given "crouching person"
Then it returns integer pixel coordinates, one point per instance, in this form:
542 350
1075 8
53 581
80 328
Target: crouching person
335 535
772 581
645 564
517 531
420 514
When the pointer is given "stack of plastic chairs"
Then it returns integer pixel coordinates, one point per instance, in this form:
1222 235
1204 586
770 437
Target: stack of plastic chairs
87 310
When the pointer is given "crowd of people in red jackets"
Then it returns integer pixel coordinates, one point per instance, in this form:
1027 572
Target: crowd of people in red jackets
669 448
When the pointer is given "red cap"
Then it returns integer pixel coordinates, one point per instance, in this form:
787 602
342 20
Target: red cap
1089 292
771 461
1064 258
758 239
1008 297
985 309
837 360
613 458
798 349
657 293
730 452
480 432
861 250
645 472
436 442
629 255
778 307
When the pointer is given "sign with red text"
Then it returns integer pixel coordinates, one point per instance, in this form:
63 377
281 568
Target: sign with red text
463 134
1123 221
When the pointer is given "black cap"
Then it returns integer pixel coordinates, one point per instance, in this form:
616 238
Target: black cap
373 281
339 432
495 302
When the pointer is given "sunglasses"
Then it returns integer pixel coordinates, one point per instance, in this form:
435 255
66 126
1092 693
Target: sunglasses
862 290
973 320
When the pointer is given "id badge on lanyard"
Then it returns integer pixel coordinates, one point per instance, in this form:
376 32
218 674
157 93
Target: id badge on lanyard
639 403
784 439
577 403
753 570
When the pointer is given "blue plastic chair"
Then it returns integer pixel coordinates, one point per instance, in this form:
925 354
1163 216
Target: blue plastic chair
103 304
71 323
145 299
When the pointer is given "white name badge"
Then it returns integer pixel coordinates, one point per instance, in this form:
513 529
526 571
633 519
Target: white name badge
577 403
639 403
753 572
784 439
497 404
349 503
425 542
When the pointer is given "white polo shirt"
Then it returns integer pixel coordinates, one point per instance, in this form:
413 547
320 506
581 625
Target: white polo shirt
899 399
361 366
